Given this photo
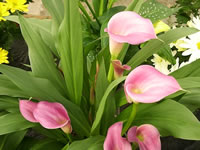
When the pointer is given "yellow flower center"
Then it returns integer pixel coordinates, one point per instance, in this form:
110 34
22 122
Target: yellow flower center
140 137
198 45
136 91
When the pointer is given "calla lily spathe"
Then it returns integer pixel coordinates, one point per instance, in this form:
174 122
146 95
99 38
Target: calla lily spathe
147 137
49 115
128 27
114 140
147 85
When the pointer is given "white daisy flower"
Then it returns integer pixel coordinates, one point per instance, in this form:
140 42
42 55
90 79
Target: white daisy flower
195 23
160 64
192 44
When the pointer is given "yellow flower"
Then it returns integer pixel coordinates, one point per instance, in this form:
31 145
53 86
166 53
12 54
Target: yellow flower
3 56
14 5
3 11
160 27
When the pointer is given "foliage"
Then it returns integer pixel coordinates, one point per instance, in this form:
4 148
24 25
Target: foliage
187 8
69 57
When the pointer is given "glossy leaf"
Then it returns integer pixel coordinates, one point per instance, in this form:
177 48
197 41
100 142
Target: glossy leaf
191 99
43 26
87 144
190 70
40 56
71 50
101 108
13 122
169 117
8 88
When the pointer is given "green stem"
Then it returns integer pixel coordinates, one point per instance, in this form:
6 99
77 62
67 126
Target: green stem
84 12
101 7
130 120
132 5
69 137
110 3
111 69
93 13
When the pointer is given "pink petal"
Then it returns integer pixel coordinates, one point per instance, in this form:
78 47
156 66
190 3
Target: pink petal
147 136
114 141
129 27
132 134
119 68
147 85
26 108
51 115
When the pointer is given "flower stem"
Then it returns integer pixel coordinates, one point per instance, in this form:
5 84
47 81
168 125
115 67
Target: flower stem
132 5
130 120
69 137
110 3
111 69
101 9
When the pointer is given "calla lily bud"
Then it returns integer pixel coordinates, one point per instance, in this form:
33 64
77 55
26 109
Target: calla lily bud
114 140
119 68
145 84
49 115
147 137
128 27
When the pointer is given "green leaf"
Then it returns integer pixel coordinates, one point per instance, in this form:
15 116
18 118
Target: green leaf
135 5
190 70
7 87
148 50
39 144
101 84
165 52
13 122
43 89
192 99
47 144
154 45
101 108
8 102
71 50
12 140
189 82
56 9
55 134
87 144
41 59
96 5
170 117
43 26
156 11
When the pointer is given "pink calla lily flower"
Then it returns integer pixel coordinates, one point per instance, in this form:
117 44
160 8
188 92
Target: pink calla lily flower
147 85
128 27
147 137
49 115
26 108
119 68
114 141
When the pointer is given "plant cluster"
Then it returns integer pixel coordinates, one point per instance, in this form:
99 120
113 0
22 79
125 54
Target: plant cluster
111 80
